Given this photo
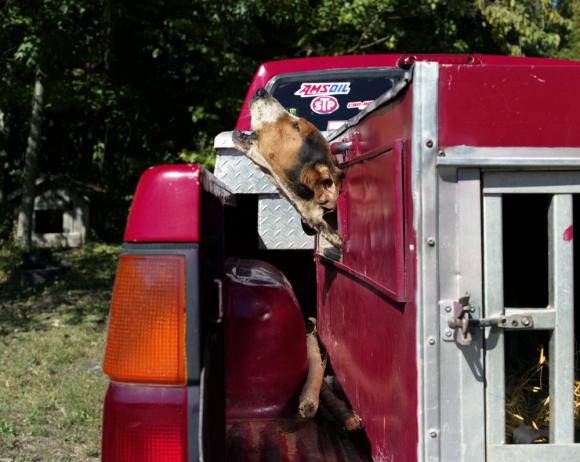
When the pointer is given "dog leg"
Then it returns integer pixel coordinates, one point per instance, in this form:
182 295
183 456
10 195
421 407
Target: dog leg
326 231
333 237
313 216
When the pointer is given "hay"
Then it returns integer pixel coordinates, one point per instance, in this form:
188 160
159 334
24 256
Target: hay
528 399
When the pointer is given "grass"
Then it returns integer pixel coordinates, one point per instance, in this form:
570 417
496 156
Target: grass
51 347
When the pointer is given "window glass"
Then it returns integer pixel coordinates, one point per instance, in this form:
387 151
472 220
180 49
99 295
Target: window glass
329 98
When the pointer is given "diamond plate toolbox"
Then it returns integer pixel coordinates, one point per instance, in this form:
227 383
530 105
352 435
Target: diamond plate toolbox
279 225
240 175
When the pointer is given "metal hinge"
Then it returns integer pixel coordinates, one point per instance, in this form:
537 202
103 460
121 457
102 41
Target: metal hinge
457 319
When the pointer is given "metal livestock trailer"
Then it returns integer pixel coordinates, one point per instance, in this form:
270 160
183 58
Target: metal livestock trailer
463 167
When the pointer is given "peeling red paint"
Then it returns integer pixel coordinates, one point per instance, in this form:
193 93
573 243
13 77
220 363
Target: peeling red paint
569 233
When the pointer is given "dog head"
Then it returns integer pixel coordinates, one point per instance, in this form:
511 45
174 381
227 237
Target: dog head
291 150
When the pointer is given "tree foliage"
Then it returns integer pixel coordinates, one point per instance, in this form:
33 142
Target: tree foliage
132 83
571 42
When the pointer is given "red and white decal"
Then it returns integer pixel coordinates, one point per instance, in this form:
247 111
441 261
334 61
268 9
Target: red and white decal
358 104
308 90
324 104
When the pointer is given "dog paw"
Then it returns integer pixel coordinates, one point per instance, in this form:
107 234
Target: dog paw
334 238
308 229
332 253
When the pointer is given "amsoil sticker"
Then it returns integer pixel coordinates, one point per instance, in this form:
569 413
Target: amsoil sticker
324 104
358 104
308 90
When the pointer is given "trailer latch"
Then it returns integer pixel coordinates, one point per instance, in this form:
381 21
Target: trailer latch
461 321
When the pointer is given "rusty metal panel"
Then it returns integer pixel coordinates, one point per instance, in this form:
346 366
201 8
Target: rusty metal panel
279 225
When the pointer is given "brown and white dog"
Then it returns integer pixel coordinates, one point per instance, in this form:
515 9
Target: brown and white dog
296 157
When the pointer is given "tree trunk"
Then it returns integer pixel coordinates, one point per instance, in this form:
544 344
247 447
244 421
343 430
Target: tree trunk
108 13
24 231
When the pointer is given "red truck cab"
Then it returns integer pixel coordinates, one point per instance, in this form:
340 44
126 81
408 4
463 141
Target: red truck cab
462 174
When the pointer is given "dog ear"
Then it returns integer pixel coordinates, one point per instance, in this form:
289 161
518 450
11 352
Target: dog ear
309 177
319 179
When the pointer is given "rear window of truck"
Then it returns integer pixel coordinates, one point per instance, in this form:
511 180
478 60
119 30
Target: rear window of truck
328 98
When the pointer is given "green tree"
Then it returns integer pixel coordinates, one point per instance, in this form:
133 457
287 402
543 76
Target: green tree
129 83
530 27
571 42
38 34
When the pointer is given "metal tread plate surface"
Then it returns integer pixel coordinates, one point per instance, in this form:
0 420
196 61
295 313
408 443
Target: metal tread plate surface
279 225
240 174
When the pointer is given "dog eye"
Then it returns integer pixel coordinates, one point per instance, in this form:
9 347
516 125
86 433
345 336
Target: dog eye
296 125
327 184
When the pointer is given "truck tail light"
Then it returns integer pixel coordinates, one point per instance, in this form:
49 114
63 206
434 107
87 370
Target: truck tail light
145 424
146 336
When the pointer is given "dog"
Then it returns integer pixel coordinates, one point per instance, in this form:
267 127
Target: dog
296 157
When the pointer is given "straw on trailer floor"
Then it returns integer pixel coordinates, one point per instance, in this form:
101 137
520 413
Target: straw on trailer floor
528 399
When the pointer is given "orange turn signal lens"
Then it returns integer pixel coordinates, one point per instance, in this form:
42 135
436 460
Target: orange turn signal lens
146 337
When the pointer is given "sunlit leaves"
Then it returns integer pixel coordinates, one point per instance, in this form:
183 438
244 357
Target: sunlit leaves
525 27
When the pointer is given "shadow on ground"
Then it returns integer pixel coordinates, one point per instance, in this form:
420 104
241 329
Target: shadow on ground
79 294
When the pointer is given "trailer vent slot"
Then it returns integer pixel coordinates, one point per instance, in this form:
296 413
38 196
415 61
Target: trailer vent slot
525 250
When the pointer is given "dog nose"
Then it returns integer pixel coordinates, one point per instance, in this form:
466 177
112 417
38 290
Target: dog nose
260 92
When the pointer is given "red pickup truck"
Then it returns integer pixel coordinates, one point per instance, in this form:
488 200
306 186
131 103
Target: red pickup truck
457 211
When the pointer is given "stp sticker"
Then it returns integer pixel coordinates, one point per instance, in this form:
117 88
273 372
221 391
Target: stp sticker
358 104
324 104
308 90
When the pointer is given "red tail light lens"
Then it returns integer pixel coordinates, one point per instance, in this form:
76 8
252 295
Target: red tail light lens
145 424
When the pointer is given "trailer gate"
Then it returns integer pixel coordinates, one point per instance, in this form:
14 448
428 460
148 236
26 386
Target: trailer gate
557 317
488 175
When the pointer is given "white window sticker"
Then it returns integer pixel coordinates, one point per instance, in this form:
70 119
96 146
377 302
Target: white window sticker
358 104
